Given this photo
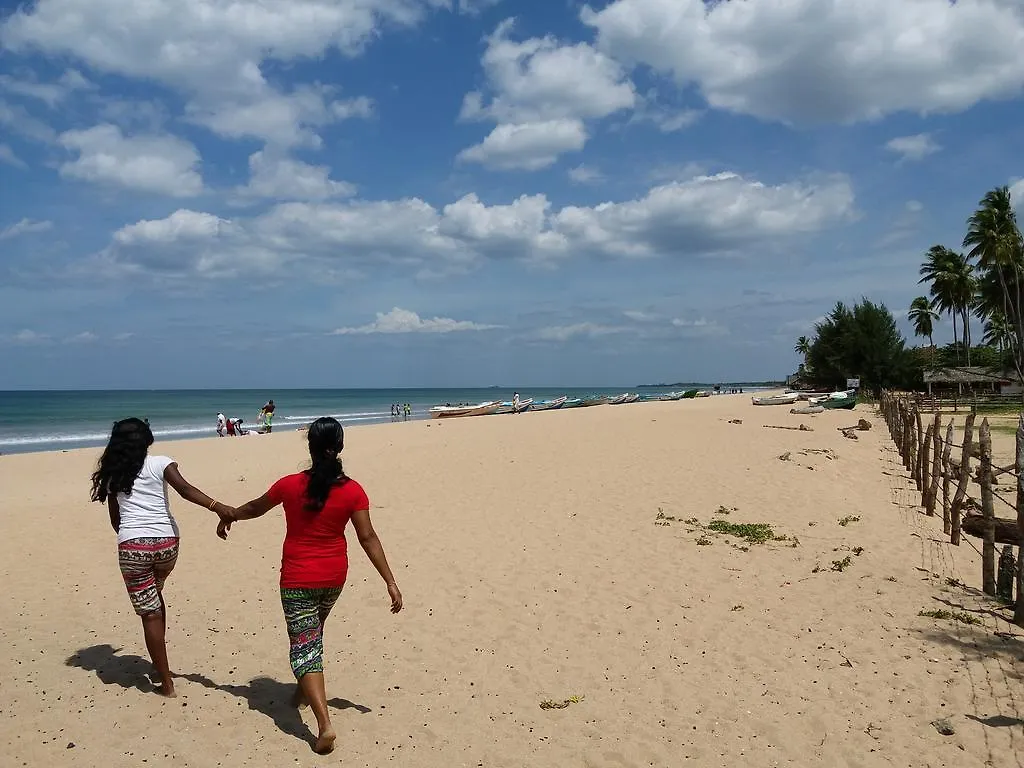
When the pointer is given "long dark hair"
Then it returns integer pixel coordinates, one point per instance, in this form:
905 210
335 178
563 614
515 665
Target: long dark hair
326 440
122 459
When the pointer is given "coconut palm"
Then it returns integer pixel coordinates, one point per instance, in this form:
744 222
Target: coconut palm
996 245
802 347
999 332
923 318
952 285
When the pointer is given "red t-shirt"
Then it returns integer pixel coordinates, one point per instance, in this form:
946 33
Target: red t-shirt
315 552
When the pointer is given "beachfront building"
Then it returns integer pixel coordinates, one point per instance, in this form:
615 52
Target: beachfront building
972 379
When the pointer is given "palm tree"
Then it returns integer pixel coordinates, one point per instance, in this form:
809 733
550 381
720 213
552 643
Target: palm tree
802 347
923 317
995 243
998 332
952 286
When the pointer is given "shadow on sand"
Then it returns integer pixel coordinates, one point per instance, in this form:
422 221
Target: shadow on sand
263 694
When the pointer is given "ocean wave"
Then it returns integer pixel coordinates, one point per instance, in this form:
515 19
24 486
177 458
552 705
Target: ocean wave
171 432
339 416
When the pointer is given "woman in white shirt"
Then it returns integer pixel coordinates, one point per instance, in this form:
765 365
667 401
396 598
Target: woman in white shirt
134 486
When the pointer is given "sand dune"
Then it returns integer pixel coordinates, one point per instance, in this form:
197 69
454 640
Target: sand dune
534 568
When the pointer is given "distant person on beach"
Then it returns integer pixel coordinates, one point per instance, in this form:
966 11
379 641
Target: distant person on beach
133 485
318 504
515 402
222 424
267 415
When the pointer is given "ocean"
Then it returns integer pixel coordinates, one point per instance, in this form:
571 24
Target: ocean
56 420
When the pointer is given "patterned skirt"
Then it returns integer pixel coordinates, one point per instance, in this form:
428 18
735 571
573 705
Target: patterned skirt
305 611
145 566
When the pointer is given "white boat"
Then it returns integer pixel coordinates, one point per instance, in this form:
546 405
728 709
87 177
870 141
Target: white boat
506 407
549 405
775 399
451 411
619 399
703 393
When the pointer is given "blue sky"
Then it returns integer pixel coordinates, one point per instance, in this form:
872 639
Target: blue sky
440 193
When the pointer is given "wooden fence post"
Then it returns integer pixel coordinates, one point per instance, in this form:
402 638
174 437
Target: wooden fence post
963 481
988 547
946 471
919 450
1018 609
926 465
933 490
908 438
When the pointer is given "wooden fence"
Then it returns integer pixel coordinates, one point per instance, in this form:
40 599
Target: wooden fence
942 472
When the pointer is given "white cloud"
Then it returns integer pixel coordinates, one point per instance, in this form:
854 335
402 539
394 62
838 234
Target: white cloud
577 330
283 178
704 215
278 118
639 316
474 7
843 61
157 163
85 337
25 227
16 120
527 146
403 321
50 94
212 52
585 174
542 91
27 337
180 225
707 214
916 147
699 327
914 206
1017 195
7 156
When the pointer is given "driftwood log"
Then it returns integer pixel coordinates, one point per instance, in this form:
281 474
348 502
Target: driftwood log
1006 529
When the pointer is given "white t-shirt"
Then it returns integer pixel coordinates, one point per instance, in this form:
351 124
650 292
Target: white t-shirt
145 512
221 421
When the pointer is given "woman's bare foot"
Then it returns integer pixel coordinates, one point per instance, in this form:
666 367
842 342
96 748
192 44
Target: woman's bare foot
325 742
299 698
166 689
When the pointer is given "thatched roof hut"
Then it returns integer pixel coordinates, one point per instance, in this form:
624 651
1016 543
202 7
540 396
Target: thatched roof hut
970 378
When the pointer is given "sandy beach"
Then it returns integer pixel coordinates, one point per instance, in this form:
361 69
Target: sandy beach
542 557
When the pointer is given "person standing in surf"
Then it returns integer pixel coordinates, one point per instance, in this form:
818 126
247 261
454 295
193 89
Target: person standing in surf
133 485
318 505
267 416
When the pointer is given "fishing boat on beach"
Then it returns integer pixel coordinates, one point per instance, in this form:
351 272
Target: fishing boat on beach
549 405
689 394
599 400
839 401
572 402
626 397
452 411
507 406
775 399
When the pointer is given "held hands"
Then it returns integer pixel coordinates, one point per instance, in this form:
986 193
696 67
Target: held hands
227 517
396 597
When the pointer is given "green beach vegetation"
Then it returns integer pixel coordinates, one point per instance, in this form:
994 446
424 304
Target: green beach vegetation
980 288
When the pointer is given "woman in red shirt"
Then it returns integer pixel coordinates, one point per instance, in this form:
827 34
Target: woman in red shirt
318 504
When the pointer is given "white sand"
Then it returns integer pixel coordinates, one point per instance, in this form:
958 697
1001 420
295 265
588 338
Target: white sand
532 569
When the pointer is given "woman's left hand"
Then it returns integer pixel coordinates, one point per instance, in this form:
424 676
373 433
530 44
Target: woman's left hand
396 598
